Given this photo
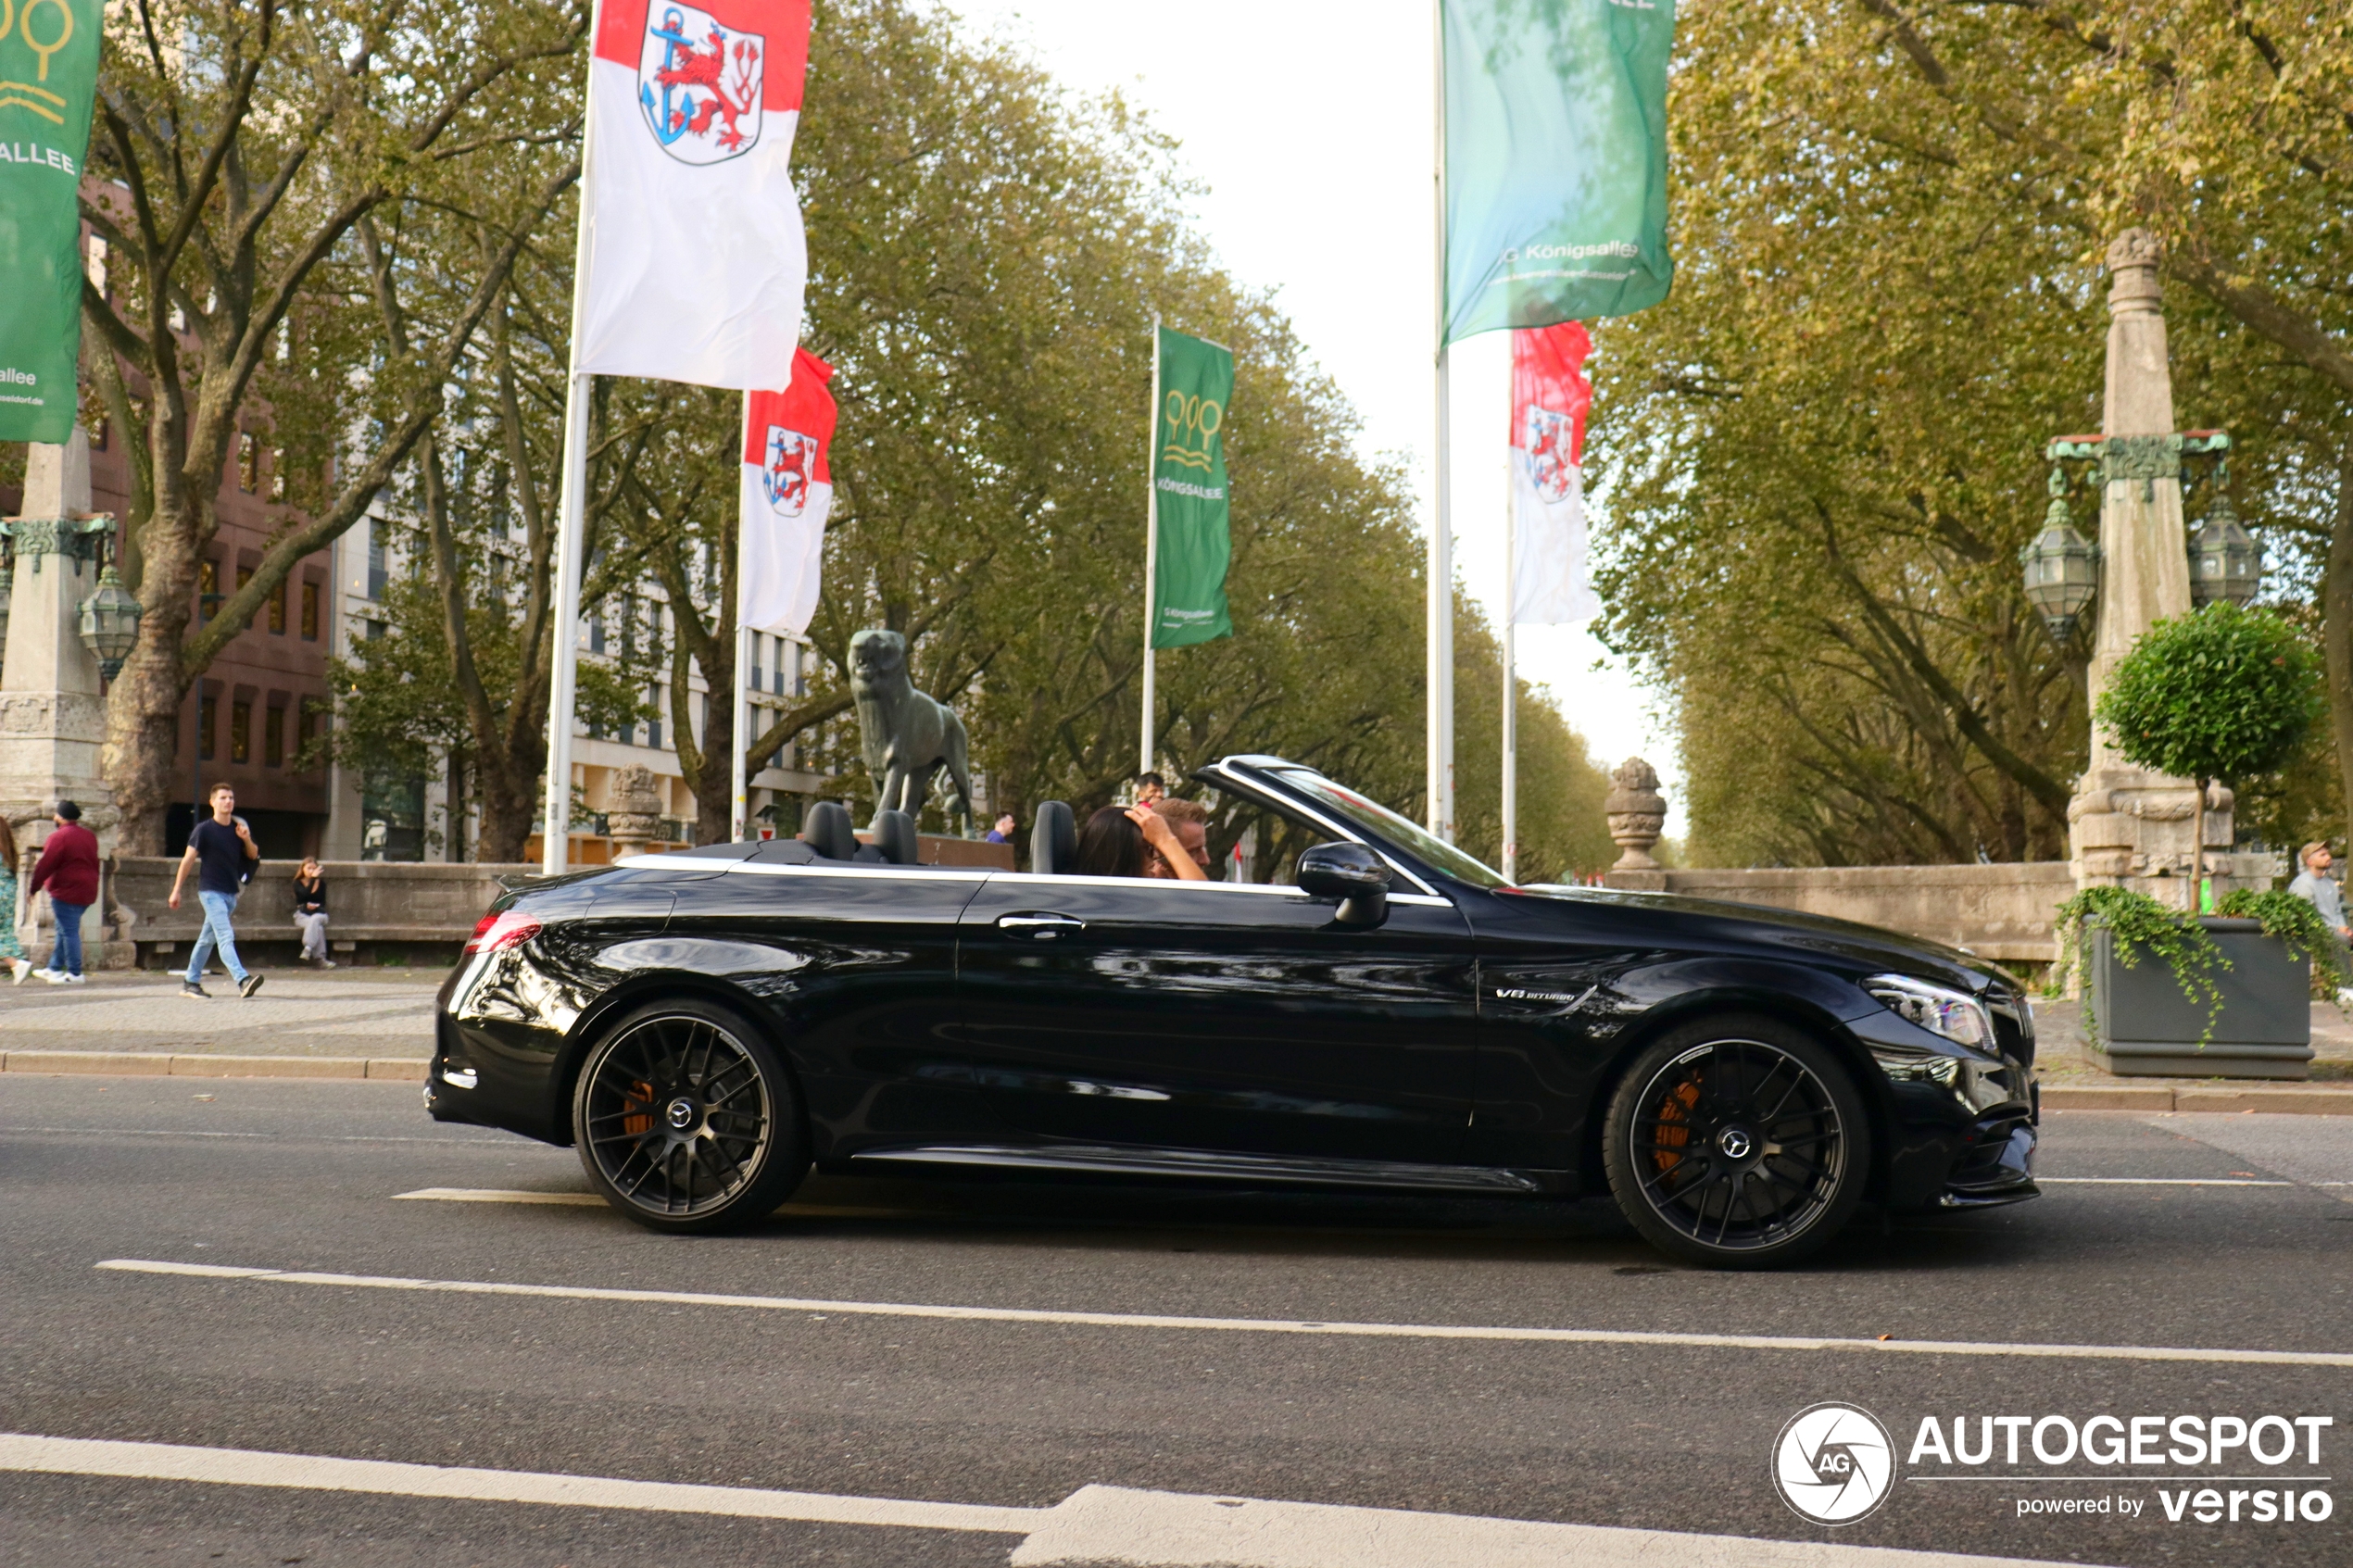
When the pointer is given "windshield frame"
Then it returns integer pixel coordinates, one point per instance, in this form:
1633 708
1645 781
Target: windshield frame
1366 815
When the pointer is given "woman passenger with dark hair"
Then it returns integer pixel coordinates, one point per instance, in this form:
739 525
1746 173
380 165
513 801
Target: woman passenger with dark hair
1117 841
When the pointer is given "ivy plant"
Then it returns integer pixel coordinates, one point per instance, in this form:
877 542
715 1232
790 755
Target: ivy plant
2138 925
2298 926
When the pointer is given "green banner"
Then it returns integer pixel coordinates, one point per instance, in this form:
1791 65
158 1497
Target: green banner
1188 491
48 75
1555 160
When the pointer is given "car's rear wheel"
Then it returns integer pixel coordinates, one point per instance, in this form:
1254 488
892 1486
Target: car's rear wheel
687 1120
1738 1143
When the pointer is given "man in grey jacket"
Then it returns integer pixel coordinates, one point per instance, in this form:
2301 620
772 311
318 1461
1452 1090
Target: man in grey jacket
2316 887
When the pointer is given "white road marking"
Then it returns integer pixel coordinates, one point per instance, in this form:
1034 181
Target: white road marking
590 1200
1241 1325
1094 1524
241 1467
2163 1181
500 1194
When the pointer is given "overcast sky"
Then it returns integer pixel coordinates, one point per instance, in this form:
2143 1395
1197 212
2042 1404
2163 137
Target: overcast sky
1309 125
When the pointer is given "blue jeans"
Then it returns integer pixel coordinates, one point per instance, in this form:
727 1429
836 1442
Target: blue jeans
218 907
65 958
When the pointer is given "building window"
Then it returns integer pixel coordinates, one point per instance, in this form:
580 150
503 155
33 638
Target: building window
205 707
313 717
248 462
241 731
273 739
653 725
245 575
311 612
375 630
376 575
277 610
208 593
597 631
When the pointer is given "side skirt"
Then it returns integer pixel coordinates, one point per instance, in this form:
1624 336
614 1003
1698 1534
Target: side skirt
1211 1166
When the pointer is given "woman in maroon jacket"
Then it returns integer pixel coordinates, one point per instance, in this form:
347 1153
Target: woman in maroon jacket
68 869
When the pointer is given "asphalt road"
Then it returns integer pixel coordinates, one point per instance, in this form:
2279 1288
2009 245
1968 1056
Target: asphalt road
864 1404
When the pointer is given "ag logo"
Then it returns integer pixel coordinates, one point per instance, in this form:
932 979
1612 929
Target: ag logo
700 84
1193 423
1833 1464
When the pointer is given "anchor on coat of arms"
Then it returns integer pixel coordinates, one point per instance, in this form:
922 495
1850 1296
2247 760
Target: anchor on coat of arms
686 91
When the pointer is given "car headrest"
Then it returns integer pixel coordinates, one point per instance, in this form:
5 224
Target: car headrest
1053 842
828 831
893 832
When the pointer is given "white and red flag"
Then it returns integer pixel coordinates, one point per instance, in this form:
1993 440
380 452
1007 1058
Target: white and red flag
693 260
787 491
1549 396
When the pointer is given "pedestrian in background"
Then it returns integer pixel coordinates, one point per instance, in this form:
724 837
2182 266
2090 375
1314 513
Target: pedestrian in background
1150 787
217 851
1003 832
2316 887
310 913
10 948
69 870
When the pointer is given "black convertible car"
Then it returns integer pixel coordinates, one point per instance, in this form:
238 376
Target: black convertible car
704 1025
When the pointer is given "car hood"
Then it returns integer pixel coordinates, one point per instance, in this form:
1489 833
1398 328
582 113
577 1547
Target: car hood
1815 937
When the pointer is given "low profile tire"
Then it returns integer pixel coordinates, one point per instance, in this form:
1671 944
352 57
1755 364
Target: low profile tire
1738 1143
687 1120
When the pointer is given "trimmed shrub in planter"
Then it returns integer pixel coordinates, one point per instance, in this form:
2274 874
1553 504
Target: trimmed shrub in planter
2245 1014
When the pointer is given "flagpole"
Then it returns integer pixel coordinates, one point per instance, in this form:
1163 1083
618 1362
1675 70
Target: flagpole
1440 705
554 828
739 766
1151 541
1511 694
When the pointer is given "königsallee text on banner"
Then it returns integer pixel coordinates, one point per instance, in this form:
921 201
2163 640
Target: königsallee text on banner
693 254
1555 160
788 493
1551 394
48 77
1188 491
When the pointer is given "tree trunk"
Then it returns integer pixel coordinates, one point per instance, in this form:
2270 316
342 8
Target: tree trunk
2337 620
143 700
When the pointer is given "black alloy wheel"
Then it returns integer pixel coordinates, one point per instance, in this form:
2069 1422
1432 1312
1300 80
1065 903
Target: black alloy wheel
1737 1143
687 1120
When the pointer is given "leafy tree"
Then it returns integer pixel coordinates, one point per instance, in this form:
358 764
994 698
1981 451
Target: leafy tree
238 149
2218 694
1824 450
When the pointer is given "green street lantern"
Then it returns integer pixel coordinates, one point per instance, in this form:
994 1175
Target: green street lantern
2062 567
110 623
2226 564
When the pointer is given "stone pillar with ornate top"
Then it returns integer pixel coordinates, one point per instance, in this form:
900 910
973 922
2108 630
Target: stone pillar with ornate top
1637 814
53 717
633 816
2126 825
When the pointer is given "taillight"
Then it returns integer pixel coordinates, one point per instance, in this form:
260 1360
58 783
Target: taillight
501 929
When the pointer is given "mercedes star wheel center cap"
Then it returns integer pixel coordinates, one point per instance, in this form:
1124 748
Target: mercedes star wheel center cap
1735 1142
682 1114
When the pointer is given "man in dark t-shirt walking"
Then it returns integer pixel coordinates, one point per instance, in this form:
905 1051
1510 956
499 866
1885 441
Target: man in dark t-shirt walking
217 851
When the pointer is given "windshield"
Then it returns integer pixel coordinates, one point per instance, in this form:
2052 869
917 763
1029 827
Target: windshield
1379 820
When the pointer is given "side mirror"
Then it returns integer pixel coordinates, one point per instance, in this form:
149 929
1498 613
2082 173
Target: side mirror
1352 874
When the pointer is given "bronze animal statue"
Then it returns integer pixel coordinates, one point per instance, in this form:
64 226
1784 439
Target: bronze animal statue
907 737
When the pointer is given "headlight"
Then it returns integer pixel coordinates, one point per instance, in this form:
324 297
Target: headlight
1956 1015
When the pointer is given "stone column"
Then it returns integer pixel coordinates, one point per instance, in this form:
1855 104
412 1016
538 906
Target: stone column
2127 826
634 814
1637 814
52 722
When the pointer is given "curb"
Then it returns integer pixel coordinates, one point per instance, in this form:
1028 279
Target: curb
2161 1097
155 1064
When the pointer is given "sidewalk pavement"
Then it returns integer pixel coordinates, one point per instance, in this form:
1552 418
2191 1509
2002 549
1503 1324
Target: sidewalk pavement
370 1024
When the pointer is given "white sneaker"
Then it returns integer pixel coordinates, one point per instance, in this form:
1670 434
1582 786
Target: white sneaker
73 979
23 968
54 977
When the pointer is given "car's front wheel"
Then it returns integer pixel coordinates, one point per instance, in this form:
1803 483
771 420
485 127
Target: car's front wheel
1737 1143
687 1120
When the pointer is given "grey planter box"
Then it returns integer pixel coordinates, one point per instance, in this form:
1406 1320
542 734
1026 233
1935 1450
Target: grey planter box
2149 1029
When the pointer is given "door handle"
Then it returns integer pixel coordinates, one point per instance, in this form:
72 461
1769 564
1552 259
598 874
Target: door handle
1042 927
